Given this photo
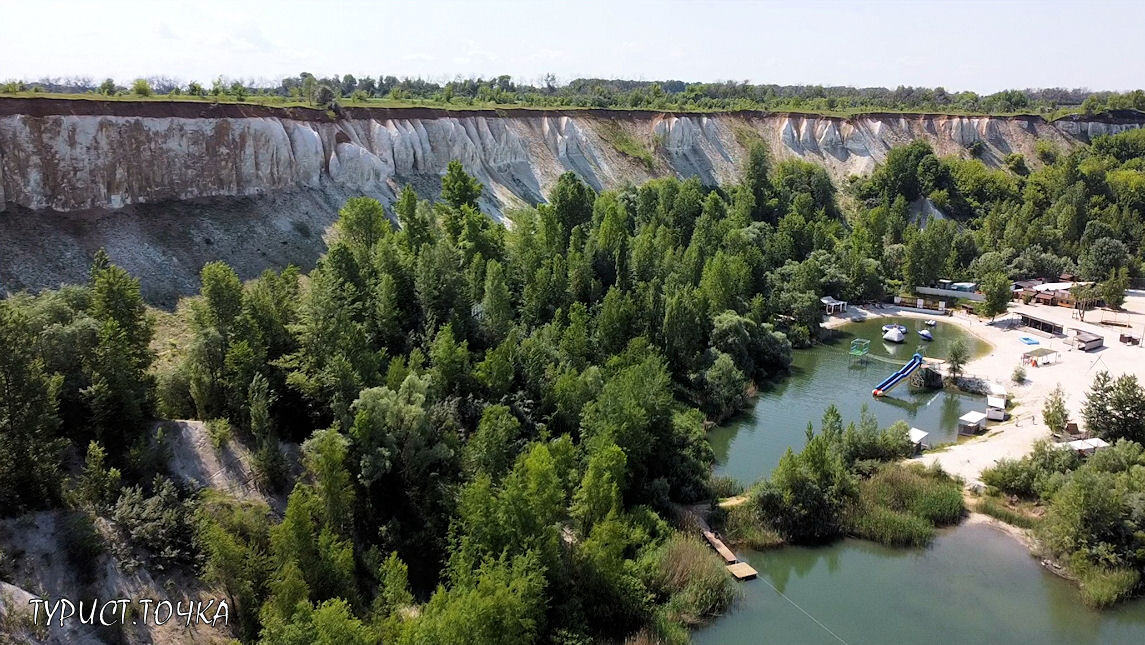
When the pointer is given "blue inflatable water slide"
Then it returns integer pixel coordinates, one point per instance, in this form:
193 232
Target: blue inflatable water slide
899 376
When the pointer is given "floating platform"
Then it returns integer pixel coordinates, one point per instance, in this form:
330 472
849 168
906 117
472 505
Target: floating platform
742 571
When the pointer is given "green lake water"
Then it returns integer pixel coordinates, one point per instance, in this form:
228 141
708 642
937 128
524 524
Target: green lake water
750 446
973 584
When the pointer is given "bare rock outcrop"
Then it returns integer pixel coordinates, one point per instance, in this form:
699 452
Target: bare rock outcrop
290 168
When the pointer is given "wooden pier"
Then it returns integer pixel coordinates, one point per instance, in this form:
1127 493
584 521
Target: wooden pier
741 570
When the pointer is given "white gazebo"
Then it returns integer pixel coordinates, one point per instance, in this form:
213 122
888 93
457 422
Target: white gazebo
833 306
972 422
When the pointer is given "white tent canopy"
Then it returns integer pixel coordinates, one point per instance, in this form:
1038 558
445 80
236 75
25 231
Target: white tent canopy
916 435
832 305
1087 446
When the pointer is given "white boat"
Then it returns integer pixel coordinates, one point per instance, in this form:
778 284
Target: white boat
894 326
931 323
894 336
925 333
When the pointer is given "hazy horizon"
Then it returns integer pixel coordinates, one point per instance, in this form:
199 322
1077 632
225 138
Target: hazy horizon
972 45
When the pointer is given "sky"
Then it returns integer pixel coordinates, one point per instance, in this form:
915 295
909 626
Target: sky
965 45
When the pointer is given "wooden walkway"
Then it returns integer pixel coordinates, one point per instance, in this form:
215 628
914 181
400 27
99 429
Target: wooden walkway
720 547
741 570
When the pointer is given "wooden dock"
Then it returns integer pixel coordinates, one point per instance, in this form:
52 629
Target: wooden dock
720 547
742 571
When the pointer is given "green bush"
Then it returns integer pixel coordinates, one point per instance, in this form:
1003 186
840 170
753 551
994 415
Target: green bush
744 524
219 430
1038 474
1018 375
173 394
161 524
928 493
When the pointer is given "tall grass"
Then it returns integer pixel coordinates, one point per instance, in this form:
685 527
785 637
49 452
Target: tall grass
997 510
744 525
893 528
902 505
1106 586
696 582
723 486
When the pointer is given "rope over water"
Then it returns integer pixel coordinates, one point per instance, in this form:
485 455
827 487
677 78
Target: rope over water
805 613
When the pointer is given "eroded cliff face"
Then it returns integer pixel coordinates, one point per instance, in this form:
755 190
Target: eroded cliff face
289 167
107 155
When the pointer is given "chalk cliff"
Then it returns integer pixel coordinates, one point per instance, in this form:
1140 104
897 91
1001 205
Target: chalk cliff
99 159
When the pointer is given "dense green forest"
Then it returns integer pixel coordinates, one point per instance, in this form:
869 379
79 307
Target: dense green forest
499 425
607 93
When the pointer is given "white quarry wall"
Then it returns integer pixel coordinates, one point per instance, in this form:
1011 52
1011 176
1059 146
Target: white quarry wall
73 163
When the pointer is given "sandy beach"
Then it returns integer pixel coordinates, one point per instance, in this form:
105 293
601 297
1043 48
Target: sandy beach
1074 371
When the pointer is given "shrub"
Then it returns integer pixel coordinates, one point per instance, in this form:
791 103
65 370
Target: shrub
723 486
173 391
1017 164
141 87
744 524
162 524
1045 151
1018 375
82 544
693 577
269 466
799 336
149 455
928 493
219 430
1038 474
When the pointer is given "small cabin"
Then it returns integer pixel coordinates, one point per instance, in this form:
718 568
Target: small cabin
973 422
1087 341
996 408
917 437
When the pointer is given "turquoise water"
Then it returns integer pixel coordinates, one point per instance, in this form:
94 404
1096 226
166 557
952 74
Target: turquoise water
971 585
750 446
